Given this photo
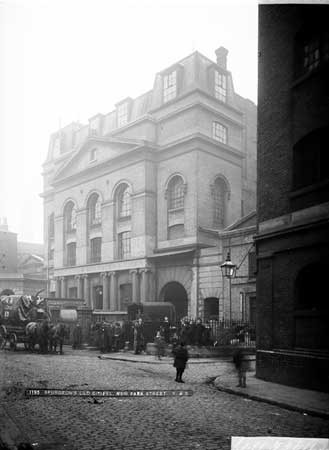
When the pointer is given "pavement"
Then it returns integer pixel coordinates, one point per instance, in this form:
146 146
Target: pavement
205 420
302 400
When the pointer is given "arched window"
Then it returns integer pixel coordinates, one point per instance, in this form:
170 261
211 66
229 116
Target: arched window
70 220
219 194
124 201
311 307
94 210
176 193
311 160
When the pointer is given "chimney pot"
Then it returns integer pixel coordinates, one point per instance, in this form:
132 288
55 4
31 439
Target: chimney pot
221 55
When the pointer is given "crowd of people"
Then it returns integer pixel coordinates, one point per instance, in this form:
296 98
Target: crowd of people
108 336
113 336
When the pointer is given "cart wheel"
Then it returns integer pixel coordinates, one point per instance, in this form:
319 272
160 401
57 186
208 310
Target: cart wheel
3 336
13 342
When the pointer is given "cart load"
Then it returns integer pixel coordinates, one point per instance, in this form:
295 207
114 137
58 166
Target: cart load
22 309
16 311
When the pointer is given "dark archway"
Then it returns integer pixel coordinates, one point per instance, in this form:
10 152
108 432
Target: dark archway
211 308
176 294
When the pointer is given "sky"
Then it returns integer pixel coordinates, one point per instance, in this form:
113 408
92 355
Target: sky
67 60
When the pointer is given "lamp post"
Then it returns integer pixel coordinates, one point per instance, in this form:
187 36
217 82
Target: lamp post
228 271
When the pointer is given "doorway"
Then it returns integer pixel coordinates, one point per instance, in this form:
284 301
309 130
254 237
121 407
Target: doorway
176 294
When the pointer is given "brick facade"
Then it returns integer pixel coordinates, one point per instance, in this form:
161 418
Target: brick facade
292 239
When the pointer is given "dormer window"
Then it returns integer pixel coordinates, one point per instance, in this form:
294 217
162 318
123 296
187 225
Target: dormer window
220 86
57 147
169 86
93 155
122 114
95 124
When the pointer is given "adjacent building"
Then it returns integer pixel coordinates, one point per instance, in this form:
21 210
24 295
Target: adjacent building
22 269
134 201
293 195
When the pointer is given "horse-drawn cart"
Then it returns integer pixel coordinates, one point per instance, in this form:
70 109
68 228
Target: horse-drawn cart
16 311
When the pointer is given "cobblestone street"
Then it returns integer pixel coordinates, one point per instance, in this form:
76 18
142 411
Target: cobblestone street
206 420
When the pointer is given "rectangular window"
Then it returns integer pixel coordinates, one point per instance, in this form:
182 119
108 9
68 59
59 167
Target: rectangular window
125 296
93 155
124 240
219 132
220 86
93 132
312 50
311 57
95 250
73 292
71 254
122 114
169 86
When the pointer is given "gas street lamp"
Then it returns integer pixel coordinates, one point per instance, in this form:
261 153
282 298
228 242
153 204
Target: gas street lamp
228 271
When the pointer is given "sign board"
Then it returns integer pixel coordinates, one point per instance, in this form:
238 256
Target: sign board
278 443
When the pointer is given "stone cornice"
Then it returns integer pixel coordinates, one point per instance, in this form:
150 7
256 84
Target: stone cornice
203 92
200 104
202 138
315 215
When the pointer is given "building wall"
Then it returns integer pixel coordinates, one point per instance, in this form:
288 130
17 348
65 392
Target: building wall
158 141
288 107
8 251
293 223
209 167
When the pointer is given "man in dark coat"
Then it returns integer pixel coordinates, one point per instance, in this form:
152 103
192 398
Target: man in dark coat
138 337
181 358
77 336
199 332
240 367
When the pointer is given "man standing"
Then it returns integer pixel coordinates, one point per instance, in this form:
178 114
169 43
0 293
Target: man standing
77 335
240 367
181 358
138 337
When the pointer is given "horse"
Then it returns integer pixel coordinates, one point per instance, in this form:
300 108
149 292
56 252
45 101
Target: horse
57 334
37 333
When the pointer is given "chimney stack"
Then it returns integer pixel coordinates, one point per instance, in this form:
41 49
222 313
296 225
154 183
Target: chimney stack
221 55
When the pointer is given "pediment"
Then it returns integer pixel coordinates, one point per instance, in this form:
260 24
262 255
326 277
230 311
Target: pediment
94 152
